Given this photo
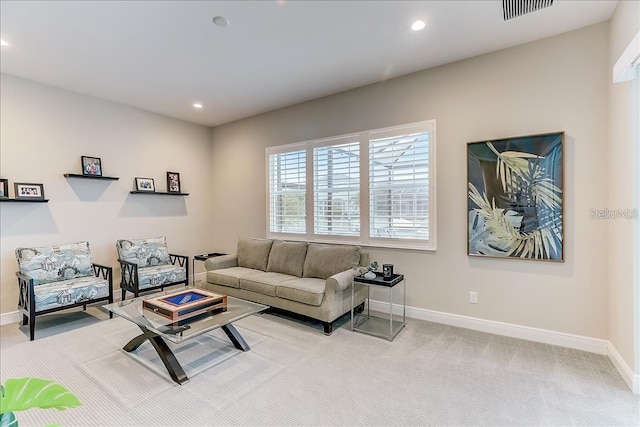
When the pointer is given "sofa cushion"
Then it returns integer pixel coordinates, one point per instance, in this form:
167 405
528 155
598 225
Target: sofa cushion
323 261
305 290
48 264
287 257
229 276
254 253
263 283
68 292
158 275
144 252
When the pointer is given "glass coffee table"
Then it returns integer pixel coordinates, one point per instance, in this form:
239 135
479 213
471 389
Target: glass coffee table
157 329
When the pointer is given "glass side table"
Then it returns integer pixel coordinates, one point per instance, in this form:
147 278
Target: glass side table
374 325
203 258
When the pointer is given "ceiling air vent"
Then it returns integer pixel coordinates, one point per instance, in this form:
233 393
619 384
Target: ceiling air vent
513 8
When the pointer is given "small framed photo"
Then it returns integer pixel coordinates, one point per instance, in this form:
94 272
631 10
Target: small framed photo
173 182
387 270
145 184
4 188
91 166
25 191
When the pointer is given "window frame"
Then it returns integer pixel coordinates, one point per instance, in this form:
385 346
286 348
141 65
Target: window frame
364 238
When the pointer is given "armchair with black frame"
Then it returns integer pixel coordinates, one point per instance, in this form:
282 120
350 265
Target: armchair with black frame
54 278
146 265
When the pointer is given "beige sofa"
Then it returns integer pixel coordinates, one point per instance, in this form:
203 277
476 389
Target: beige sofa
313 280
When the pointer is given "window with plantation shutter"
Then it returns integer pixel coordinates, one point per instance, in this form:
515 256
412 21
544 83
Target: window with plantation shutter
373 188
287 192
336 189
399 186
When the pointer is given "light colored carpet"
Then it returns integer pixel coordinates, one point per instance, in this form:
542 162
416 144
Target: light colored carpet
294 375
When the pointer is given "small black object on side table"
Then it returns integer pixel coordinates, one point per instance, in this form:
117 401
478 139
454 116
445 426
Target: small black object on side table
203 258
373 325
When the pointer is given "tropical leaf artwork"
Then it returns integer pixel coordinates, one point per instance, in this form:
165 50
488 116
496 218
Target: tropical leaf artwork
515 197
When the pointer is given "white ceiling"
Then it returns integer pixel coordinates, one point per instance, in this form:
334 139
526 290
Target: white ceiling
163 56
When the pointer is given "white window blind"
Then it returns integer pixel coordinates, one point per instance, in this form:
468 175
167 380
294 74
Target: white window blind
373 188
336 189
399 186
287 192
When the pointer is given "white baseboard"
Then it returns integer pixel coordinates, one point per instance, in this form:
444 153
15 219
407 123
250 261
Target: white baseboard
12 317
632 380
577 342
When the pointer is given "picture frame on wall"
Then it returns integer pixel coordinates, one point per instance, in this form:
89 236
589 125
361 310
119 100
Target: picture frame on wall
145 184
28 191
91 166
173 182
515 197
4 188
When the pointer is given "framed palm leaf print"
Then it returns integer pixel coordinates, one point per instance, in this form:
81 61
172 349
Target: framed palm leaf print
515 197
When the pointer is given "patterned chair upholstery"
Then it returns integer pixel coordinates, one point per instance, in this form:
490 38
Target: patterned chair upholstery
53 278
146 265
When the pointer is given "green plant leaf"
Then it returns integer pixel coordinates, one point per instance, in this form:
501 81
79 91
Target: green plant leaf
24 393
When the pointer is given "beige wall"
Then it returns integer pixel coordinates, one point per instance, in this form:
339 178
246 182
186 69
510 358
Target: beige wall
556 84
43 134
622 332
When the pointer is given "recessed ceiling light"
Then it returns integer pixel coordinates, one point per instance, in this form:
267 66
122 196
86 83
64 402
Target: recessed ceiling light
197 105
3 43
221 21
418 25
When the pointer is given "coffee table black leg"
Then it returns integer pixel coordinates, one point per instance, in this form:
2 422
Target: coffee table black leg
165 353
136 342
235 337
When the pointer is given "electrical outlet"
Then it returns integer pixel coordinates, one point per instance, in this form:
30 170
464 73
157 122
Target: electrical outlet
473 297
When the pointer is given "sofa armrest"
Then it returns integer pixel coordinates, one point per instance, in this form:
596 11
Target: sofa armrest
181 260
342 280
26 297
219 262
25 283
106 273
23 277
128 273
123 262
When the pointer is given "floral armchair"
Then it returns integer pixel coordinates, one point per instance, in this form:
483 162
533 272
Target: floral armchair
53 278
146 264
